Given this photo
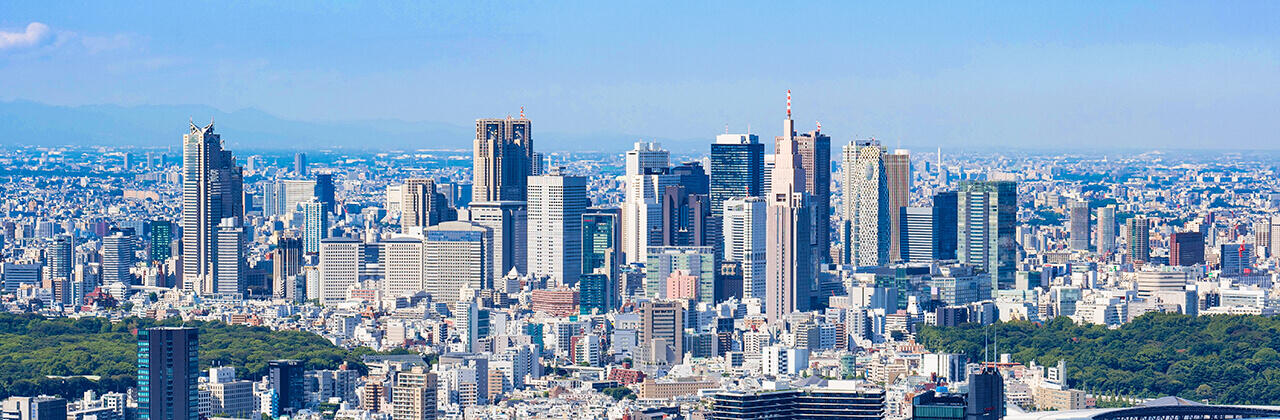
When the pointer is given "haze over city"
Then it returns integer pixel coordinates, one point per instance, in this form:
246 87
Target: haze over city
1146 75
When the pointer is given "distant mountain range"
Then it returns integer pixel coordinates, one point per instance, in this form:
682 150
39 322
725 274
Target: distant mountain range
32 123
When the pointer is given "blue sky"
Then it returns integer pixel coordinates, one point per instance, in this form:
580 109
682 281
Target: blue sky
928 74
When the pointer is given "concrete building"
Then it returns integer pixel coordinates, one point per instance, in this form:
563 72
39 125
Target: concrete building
457 258
556 205
502 159
212 190
868 216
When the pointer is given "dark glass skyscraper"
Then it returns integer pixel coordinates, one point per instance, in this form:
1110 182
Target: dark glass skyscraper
601 256
737 170
986 221
325 191
286 378
161 240
168 360
944 225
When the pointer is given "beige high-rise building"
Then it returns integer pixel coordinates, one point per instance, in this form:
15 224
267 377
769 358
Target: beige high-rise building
508 221
790 261
897 170
661 331
403 262
417 204
646 177
414 395
503 159
556 204
456 258
339 268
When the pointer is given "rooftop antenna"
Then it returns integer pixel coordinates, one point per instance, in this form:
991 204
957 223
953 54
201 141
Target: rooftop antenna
522 112
726 128
819 125
788 104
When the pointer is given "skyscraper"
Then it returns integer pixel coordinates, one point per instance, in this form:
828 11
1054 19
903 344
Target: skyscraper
916 239
286 262
287 380
1186 249
325 191
647 174
1138 241
1079 212
745 241
556 205
737 169
502 159
59 257
168 363
300 164
161 240
866 205
418 204
945 212
686 217
790 262
814 151
315 226
695 261
403 262
1106 242
507 220
117 257
986 221
897 169
229 274
212 190
457 258
339 268
601 248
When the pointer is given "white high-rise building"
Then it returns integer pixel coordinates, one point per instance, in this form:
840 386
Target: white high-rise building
556 205
230 271
508 221
212 189
457 258
867 220
1107 229
339 268
117 257
297 191
403 262
646 177
790 261
315 225
745 241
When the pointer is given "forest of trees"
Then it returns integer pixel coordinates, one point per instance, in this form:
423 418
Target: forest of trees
33 348
1224 359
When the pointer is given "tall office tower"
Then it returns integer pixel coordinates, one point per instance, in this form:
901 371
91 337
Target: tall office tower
286 262
296 191
466 314
272 198
695 261
647 174
917 234
945 213
456 258
790 263
868 214
1106 242
161 247
286 378
986 394
1262 237
229 274
300 164
556 205
1079 212
661 332
418 204
692 176
1237 259
325 191
1274 246
737 169
315 226
117 257
745 241
814 149
59 257
502 159
1138 241
897 170
986 222
537 164
686 217
168 367
403 262
596 294
507 220
1186 249
339 268
413 397
212 190
126 161
602 248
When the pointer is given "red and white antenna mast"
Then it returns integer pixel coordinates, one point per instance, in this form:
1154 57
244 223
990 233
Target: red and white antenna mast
522 112
788 103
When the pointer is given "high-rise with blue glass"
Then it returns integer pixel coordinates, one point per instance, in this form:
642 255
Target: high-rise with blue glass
168 365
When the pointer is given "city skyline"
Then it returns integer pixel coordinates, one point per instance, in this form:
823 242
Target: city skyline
1158 75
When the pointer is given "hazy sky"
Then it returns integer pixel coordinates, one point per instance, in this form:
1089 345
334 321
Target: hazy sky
1160 74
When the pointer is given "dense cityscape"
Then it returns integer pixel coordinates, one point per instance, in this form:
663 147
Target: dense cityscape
422 210
521 283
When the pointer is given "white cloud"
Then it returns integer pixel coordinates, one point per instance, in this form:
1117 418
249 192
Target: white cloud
36 34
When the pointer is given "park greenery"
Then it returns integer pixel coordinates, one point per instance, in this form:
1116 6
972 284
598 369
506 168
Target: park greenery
55 356
1223 359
